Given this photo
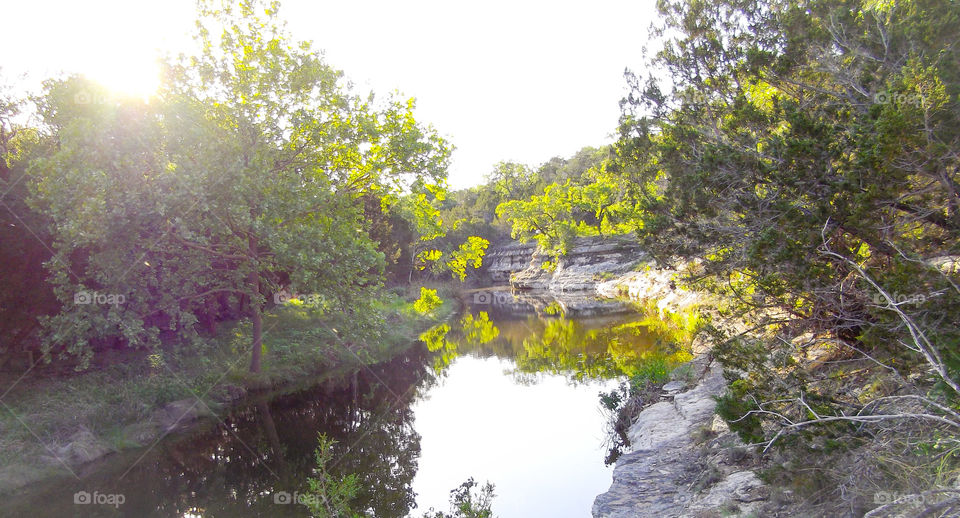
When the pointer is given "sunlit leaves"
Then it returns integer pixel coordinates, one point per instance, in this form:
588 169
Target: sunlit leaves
427 302
427 257
468 254
565 211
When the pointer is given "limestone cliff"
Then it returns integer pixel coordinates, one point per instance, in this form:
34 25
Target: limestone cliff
500 262
590 261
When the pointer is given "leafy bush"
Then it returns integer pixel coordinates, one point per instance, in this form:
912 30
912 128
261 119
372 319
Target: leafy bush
467 503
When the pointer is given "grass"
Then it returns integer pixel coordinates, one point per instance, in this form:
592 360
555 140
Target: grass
654 369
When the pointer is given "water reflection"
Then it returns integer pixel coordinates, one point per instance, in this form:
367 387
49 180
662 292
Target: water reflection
592 348
536 432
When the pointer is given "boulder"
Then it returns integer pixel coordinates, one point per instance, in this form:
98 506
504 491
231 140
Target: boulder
656 477
82 447
178 413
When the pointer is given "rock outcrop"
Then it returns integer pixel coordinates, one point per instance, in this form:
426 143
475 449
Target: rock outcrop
663 475
651 284
500 262
590 261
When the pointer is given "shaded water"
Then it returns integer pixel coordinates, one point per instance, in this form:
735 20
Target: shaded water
498 396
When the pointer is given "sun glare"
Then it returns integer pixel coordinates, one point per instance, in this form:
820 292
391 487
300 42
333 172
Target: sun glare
113 42
122 62
135 78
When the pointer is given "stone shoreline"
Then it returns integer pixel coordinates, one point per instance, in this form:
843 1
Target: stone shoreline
679 459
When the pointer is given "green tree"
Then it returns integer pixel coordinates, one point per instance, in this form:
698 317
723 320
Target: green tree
24 238
244 178
466 502
330 496
511 180
808 152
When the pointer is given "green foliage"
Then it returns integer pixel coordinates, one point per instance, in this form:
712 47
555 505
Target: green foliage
437 237
24 236
475 210
612 400
735 412
654 369
469 253
330 496
469 500
567 210
249 175
545 218
807 153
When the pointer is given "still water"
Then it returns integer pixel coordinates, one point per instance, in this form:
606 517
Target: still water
497 395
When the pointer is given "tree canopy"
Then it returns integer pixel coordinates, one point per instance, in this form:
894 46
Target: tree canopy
253 173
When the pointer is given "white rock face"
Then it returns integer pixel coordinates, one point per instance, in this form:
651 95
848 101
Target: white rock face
651 284
501 262
665 422
655 478
658 425
674 386
588 262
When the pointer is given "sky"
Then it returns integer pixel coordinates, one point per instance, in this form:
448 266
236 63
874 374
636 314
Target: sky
502 80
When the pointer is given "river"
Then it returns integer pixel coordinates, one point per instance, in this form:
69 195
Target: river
498 394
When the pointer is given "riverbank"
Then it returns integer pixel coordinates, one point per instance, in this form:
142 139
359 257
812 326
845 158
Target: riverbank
56 422
680 459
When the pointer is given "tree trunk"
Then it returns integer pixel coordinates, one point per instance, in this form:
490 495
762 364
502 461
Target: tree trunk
255 308
257 339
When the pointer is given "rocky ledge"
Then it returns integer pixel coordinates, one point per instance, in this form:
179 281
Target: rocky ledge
589 261
594 268
683 460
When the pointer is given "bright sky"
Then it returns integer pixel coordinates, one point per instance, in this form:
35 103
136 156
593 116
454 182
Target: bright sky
503 80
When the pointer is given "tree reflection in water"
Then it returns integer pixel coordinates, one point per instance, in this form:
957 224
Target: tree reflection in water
580 349
236 467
